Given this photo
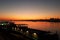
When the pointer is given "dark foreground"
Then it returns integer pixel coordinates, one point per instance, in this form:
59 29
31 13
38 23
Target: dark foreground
11 31
12 35
7 36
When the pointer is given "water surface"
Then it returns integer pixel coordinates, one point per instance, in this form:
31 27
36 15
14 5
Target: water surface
46 26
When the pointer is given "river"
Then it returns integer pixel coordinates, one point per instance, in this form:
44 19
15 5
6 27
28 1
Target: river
46 26
53 27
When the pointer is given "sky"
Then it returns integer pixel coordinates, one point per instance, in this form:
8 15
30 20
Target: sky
29 9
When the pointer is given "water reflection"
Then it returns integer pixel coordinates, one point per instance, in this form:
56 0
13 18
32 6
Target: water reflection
46 26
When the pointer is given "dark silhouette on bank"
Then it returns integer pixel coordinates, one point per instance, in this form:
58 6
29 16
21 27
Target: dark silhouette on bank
41 20
11 31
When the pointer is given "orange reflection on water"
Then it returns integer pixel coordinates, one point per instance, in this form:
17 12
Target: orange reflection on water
35 25
46 26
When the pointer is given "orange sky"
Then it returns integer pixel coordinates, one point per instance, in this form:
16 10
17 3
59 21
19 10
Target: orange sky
24 10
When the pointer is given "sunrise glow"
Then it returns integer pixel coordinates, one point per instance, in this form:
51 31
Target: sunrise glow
25 10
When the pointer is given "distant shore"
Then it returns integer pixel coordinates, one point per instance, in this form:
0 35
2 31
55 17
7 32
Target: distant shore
40 20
